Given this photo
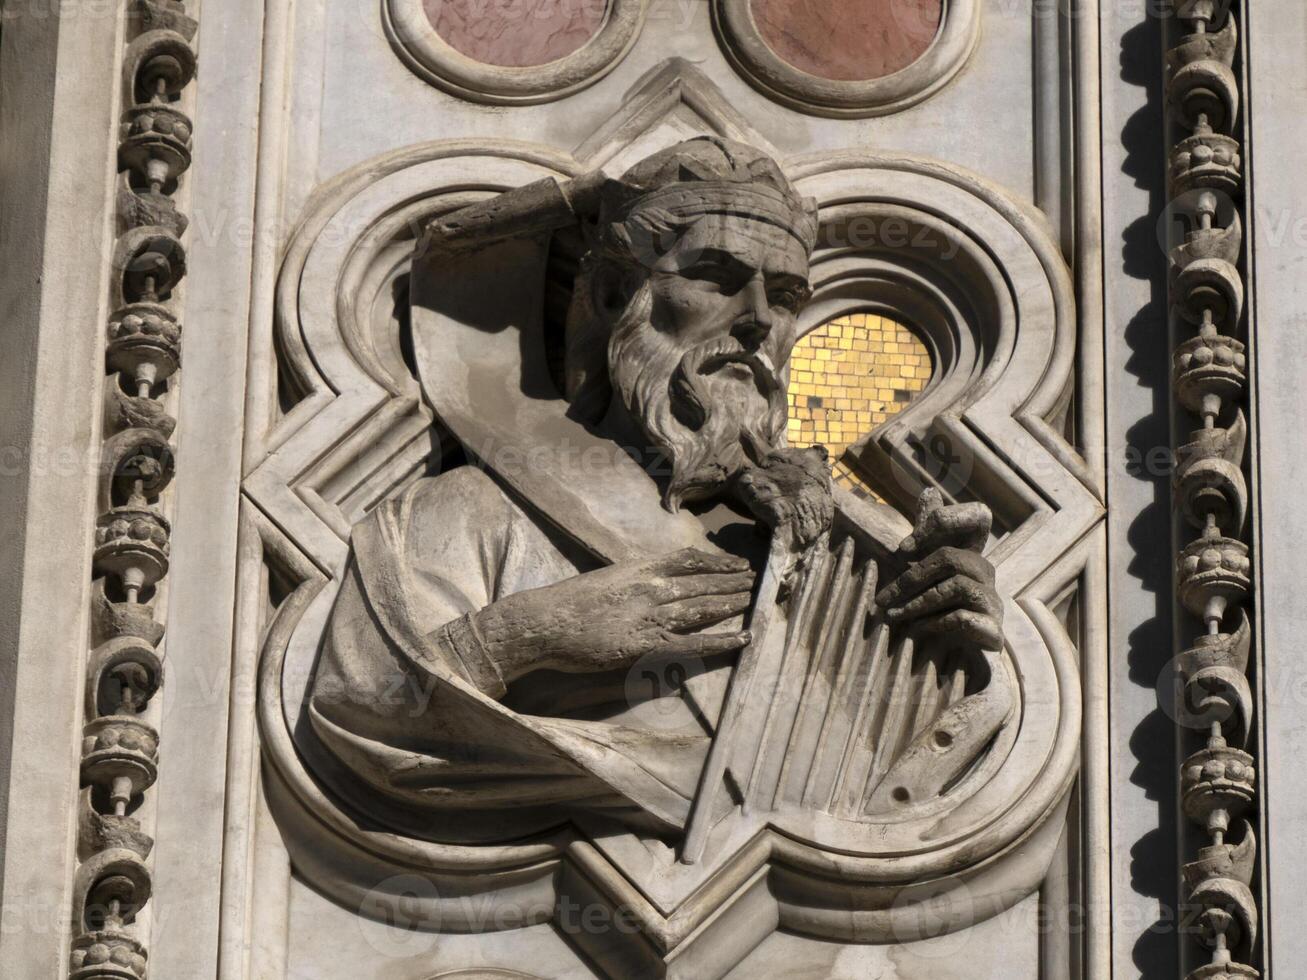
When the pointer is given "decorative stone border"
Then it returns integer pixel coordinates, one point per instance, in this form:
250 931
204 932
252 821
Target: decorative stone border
316 471
421 47
1213 576
326 334
779 80
120 746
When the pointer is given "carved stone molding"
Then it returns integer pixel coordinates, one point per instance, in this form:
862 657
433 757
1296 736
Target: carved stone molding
416 40
1213 570
120 743
1000 320
778 79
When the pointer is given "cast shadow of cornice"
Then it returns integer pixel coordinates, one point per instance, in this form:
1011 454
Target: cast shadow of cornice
1154 867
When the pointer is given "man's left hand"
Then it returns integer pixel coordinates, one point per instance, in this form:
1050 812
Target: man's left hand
948 589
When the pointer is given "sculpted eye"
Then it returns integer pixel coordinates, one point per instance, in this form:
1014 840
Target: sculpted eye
788 297
713 272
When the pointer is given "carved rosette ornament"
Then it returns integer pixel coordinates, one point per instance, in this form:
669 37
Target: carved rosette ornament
1213 571
120 745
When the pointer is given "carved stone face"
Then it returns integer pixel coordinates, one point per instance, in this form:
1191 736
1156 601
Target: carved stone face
732 277
697 352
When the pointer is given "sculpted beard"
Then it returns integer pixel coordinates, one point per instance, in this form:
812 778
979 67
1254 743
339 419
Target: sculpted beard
693 406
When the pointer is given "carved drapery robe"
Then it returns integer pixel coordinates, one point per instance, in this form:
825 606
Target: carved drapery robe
424 722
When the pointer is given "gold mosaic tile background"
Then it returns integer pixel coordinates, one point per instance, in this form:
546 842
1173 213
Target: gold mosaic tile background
848 377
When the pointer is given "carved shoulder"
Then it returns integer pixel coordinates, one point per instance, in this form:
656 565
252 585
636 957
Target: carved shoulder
464 489
464 498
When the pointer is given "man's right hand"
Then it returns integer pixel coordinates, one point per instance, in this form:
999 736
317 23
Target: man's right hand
612 617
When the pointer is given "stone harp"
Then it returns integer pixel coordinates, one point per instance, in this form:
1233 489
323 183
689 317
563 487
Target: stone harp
829 713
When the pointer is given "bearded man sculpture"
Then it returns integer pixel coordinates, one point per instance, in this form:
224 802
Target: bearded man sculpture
479 660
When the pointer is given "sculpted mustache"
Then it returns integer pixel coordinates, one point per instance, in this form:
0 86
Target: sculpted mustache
708 358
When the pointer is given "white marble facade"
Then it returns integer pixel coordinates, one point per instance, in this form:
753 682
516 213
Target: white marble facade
276 436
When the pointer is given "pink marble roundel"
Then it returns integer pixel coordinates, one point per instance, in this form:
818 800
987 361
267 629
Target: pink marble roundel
848 40
516 33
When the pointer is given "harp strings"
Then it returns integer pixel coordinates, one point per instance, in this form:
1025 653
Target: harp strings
846 699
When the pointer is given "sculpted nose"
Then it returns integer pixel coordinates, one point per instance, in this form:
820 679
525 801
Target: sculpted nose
755 323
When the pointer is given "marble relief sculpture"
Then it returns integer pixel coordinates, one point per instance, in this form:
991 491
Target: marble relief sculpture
666 617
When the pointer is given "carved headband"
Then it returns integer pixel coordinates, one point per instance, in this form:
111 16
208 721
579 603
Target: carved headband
547 205
797 216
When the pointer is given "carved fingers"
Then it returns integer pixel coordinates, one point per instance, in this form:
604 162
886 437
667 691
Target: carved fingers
943 564
957 525
962 627
692 561
701 645
950 594
684 593
699 612
691 573
613 616
957 592
689 586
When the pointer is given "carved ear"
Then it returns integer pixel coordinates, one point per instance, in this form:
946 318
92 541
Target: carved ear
586 359
611 289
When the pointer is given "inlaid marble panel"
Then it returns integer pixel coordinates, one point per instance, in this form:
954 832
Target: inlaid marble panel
516 33
848 40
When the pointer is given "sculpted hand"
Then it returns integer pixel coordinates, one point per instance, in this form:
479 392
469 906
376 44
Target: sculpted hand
612 617
790 491
948 589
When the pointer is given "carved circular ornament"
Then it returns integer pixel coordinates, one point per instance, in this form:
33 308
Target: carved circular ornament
497 53
875 59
